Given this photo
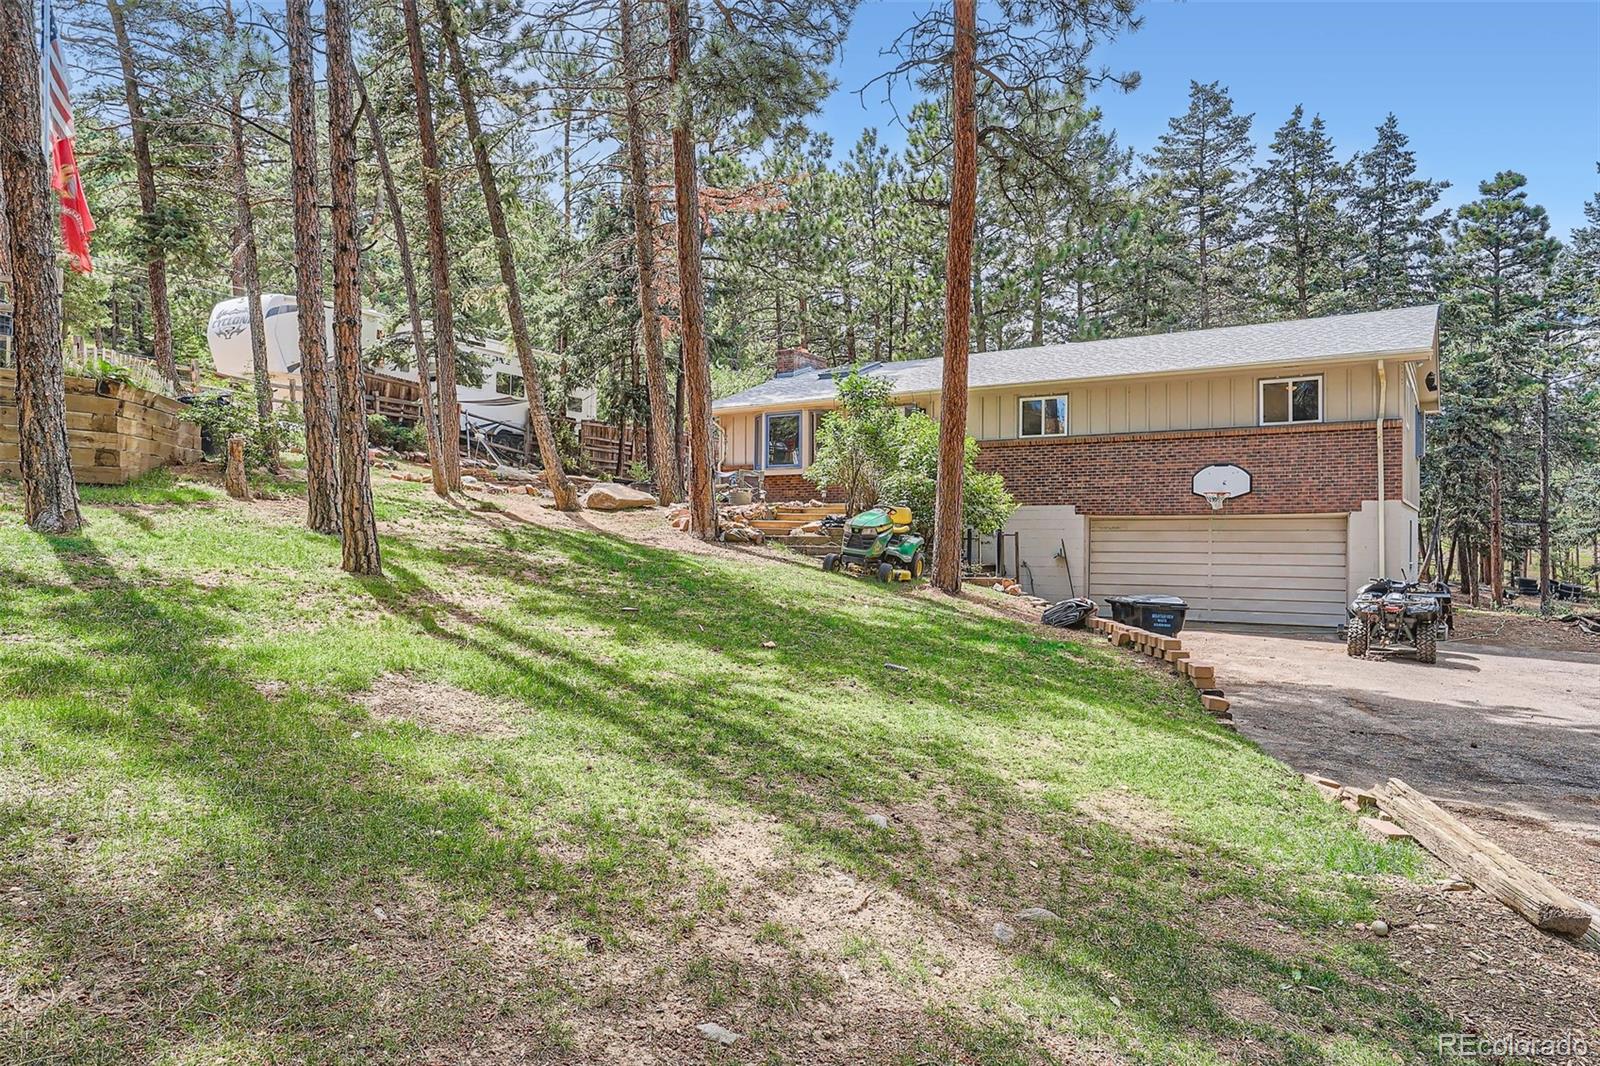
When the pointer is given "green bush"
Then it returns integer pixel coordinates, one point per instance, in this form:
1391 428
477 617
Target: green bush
384 433
875 453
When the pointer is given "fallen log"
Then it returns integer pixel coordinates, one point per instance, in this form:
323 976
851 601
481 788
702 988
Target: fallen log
1477 859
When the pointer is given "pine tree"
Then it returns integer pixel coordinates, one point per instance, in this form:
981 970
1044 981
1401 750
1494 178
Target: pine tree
322 478
444 310
1202 163
154 254
629 47
1299 215
408 279
1399 235
566 497
239 59
1499 263
360 527
49 493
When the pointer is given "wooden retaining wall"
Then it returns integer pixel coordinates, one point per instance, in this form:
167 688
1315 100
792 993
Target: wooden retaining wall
116 432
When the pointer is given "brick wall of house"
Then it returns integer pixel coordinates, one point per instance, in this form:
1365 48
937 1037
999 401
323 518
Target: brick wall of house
791 488
1324 467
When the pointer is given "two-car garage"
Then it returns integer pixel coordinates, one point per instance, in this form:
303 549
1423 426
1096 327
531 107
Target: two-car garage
1283 570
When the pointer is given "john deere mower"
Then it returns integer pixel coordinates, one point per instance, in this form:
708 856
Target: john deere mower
879 543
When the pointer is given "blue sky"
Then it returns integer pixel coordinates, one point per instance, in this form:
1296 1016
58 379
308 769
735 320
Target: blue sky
1478 87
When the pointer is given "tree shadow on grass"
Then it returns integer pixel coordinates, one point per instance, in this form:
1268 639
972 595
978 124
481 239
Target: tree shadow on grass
322 811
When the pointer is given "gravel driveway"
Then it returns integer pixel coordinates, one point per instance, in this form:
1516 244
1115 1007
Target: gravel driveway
1516 731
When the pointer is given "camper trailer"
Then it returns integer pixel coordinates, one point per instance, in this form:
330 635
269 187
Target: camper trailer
497 407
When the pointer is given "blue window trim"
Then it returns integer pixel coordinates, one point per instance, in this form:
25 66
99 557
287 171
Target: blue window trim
766 437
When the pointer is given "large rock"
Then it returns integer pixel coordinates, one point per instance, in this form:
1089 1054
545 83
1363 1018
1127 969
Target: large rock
609 496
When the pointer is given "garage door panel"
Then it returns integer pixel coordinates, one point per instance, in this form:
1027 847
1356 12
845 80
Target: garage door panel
1284 571
1220 536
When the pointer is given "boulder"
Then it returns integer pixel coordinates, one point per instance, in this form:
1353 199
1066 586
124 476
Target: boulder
610 496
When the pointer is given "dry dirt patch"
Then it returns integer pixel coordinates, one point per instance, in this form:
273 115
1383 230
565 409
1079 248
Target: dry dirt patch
438 707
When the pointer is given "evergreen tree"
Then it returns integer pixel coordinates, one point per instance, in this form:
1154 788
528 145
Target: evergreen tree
1498 266
1202 163
1399 235
1300 217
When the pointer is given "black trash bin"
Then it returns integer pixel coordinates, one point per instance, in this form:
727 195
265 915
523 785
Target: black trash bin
1158 614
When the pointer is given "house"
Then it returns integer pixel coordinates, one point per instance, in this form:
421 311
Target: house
1309 434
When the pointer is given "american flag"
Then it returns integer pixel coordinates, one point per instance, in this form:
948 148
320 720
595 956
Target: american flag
57 90
59 131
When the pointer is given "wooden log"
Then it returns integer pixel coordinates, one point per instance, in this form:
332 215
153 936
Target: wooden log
1215 704
1176 655
233 477
1475 858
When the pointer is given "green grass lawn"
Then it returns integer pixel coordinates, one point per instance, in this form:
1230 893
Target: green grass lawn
542 793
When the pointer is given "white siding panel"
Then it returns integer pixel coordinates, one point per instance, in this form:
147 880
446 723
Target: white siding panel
1281 570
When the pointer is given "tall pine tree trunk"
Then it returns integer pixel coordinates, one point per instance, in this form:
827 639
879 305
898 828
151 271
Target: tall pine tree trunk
947 525
696 370
566 497
444 315
655 367
408 278
360 527
1496 555
322 479
49 493
244 213
144 172
1546 576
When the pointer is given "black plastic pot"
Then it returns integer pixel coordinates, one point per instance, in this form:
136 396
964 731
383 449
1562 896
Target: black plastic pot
1157 614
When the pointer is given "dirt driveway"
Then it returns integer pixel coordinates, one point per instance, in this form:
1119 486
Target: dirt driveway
1510 729
1508 740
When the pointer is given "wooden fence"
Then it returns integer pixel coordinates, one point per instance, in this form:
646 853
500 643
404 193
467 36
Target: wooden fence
599 443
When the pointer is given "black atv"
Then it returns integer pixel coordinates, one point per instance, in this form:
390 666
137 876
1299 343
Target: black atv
1389 615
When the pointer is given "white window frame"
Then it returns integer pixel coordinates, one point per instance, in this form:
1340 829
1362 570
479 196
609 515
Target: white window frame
1261 400
511 378
1066 416
799 444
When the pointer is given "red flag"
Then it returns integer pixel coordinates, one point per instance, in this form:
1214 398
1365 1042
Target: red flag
76 222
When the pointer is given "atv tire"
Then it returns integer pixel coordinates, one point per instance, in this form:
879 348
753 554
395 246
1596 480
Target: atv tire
1427 646
1355 639
886 572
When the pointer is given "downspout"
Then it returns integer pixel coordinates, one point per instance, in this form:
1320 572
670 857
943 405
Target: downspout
1383 410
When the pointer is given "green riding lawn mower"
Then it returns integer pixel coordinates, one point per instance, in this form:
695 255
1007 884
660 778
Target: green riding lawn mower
879 543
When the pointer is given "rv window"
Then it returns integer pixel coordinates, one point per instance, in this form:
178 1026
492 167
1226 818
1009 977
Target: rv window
508 384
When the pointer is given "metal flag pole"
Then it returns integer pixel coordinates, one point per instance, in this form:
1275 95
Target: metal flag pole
45 15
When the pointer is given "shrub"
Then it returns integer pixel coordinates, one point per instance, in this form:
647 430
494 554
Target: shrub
384 433
875 453
856 445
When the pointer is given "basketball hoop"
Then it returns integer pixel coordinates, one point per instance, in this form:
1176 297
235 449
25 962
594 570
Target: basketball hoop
1216 498
1219 481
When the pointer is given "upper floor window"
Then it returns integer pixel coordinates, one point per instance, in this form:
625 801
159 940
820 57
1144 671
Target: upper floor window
783 439
574 403
5 342
1289 400
1042 416
509 384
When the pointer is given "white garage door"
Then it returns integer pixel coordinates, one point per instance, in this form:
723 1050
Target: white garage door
1287 571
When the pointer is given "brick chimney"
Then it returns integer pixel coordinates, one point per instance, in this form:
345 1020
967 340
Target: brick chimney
790 360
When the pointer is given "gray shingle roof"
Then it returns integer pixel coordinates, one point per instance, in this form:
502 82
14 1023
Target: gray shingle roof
1406 330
